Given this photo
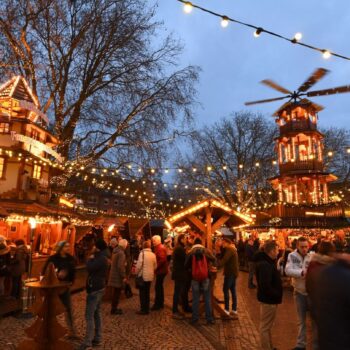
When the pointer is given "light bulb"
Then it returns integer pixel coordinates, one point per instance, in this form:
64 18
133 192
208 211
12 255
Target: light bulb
188 7
224 22
326 54
258 32
298 36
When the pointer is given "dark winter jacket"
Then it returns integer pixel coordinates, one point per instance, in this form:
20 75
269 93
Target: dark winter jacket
67 263
5 264
19 262
97 268
250 252
230 262
332 307
179 258
269 280
162 262
118 268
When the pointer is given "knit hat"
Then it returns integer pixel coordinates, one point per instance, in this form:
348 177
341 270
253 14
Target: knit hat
60 245
113 241
156 240
100 244
123 243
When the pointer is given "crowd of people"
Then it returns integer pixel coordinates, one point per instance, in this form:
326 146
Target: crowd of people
14 261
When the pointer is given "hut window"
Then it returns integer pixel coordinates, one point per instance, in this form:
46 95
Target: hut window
2 167
116 202
106 201
37 172
4 128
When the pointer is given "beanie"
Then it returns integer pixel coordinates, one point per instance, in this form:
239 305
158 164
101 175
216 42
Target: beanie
60 245
113 241
100 244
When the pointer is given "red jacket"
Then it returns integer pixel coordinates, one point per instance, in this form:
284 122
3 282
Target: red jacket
162 262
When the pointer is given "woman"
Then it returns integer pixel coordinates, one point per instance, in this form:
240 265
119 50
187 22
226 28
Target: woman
18 267
145 267
5 258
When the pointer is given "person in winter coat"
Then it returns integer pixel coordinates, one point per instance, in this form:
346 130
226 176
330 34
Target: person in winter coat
65 265
117 275
145 267
5 259
161 272
269 291
18 267
200 256
297 264
168 243
230 264
97 268
330 303
250 251
180 277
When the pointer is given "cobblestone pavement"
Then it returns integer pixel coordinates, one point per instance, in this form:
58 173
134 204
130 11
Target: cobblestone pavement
160 331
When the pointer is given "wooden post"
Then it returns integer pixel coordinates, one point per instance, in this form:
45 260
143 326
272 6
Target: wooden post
208 217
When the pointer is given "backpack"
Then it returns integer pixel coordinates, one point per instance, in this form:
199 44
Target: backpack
199 267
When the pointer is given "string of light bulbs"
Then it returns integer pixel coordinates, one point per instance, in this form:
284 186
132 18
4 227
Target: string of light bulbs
225 20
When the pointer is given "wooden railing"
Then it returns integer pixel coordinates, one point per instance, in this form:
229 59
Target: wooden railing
301 165
297 125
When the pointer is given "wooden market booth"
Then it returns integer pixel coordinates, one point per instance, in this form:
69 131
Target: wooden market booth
205 218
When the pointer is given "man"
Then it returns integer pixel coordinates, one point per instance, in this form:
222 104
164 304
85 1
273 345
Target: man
180 276
117 275
330 302
269 291
97 267
65 265
249 253
197 262
230 264
297 264
161 272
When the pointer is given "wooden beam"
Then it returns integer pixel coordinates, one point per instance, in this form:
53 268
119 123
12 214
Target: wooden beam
218 223
196 222
208 217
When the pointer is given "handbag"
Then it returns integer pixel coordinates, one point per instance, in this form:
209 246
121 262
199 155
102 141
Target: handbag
139 281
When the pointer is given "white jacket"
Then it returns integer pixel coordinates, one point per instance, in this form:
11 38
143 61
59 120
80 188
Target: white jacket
296 264
146 265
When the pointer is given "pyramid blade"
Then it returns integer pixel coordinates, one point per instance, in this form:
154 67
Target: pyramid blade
317 75
332 91
275 86
267 100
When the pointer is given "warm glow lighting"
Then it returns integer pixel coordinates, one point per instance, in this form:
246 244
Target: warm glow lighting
313 213
298 36
188 7
209 168
326 54
240 166
258 32
111 227
330 154
224 22
32 223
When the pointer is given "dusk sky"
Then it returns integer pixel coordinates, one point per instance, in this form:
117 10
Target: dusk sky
233 61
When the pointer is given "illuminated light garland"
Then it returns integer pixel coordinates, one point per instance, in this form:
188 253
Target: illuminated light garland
189 6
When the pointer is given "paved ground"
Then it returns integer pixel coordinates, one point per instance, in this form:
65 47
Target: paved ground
160 331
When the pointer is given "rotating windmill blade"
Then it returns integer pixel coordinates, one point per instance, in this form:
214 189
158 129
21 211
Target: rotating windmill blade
297 97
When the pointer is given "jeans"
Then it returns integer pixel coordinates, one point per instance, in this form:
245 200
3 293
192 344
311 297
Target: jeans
301 303
159 289
66 301
144 293
16 286
197 289
267 319
251 268
180 293
230 285
93 317
115 298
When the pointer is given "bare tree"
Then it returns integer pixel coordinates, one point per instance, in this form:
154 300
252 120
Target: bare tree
105 72
232 160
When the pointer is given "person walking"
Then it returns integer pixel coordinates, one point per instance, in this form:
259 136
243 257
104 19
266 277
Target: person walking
180 276
161 272
65 265
18 267
269 291
231 267
296 268
198 262
145 268
117 275
97 268
5 259
249 253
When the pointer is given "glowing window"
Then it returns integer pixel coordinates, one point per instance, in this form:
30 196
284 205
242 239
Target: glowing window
2 166
37 172
4 128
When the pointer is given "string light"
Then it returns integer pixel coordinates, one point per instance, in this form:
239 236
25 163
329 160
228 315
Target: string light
224 22
189 6
297 37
